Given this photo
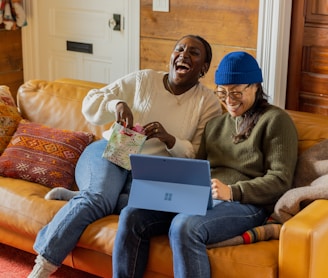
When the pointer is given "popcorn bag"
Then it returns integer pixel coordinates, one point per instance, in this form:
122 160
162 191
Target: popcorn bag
123 141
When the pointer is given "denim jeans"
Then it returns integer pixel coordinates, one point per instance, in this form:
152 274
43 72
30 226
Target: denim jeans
188 234
100 183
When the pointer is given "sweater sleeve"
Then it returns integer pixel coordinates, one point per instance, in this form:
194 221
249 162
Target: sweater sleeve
98 107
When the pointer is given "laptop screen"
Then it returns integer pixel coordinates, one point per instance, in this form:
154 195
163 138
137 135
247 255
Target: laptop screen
170 184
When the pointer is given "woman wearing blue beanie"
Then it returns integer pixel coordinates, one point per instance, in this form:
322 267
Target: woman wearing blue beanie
252 150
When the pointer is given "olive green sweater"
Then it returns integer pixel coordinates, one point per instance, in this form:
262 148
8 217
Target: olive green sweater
259 169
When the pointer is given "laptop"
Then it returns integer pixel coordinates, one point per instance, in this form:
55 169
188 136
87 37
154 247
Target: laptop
172 184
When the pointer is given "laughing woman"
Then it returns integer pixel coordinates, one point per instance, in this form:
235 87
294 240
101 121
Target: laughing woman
252 150
173 108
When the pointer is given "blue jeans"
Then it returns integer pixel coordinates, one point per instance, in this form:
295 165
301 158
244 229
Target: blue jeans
103 186
188 234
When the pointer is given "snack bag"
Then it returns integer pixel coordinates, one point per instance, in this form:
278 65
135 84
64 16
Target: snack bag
122 142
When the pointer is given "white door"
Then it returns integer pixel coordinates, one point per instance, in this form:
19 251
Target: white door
74 39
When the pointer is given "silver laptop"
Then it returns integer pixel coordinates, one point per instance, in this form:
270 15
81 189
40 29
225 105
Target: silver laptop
179 185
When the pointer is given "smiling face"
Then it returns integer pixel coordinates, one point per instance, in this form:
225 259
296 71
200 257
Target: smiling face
237 106
187 63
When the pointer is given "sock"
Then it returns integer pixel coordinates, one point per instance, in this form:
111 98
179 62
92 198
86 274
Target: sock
42 268
60 193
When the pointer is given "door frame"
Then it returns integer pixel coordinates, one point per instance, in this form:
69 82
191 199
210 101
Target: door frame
30 38
273 47
295 59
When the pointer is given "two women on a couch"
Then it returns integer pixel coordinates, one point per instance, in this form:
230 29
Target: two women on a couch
252 150
173 107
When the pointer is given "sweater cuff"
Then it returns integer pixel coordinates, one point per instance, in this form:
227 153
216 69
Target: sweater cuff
111 105
236 194
181 149
231 193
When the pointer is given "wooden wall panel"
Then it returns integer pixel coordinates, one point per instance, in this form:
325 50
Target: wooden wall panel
11 60
156 55
308 61
227 25
316 11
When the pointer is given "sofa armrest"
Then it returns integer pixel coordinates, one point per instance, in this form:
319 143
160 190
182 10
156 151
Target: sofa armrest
303 244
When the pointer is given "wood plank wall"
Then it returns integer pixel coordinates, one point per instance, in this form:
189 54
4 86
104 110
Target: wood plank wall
11 60
226 25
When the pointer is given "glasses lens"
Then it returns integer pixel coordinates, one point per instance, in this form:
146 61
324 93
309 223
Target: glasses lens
234 95
221 95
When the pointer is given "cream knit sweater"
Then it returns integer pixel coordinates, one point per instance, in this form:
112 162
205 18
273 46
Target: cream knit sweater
182 116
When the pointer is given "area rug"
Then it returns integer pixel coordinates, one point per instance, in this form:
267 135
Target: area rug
15 263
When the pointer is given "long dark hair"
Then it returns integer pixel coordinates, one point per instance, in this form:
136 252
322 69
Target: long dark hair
251 117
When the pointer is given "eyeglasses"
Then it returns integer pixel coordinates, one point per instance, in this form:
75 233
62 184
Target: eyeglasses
235 95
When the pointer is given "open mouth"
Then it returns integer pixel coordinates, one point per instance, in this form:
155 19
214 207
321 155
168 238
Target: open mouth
182 67
233 108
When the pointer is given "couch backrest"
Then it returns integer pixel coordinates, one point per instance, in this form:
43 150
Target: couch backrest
312 128
57 104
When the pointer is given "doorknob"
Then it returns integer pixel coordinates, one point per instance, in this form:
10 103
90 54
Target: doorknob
115 22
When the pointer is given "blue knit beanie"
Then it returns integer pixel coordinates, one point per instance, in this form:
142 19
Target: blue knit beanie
238 68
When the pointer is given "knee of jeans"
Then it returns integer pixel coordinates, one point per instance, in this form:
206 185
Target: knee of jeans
90 153
181 227
94 149
127 216
95 202
126 213
97 145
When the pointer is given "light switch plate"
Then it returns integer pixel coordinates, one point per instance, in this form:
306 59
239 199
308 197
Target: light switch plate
161 5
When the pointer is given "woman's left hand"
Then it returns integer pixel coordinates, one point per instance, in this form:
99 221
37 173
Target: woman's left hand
156 130
220 190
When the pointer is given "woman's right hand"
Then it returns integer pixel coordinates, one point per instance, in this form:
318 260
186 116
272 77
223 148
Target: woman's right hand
124 115
220 191
156 130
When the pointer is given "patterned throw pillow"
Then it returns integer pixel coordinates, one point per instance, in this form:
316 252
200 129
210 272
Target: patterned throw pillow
44 155
5 96
9 117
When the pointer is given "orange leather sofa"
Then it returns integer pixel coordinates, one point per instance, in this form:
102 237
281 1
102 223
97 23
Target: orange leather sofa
301 251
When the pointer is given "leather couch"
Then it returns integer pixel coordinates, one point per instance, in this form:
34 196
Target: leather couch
300 252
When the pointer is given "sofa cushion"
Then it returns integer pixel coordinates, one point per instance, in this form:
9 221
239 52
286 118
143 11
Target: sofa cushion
9 117
311 128
23 208
57 104
44 155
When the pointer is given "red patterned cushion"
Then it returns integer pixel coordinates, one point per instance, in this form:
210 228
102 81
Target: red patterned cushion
5 96
9 117
44 155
